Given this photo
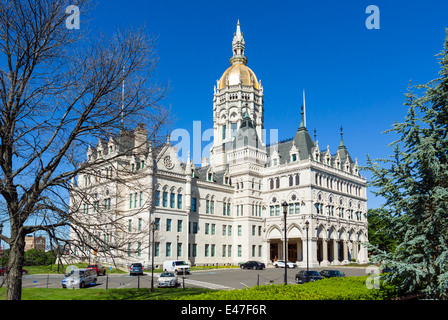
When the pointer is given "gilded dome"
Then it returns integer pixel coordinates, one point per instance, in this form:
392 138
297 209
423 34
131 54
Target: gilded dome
237 74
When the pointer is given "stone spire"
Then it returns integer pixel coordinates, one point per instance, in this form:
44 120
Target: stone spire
238 46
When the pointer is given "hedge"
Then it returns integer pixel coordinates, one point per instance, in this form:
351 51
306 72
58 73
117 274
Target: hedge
349 288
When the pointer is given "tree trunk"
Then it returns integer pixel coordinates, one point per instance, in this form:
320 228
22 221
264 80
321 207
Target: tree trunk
15 264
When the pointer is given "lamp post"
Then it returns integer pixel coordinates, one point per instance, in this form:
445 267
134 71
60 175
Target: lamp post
285 207
307 256
177 247
153 229
1 231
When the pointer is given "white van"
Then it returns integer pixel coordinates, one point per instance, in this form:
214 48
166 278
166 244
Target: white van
178 266
79 278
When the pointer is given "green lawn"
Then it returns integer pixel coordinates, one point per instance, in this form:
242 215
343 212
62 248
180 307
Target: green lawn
53 269
103 294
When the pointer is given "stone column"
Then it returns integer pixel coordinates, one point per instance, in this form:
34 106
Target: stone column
335 253
324 261
345 251
355 250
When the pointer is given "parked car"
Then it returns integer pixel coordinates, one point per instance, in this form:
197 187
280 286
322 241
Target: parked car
80 278
255 265
307 276
178 266
331 273
281 264
136 268
99 269
4 271
167 279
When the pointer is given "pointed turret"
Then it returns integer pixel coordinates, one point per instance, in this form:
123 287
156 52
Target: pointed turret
238 47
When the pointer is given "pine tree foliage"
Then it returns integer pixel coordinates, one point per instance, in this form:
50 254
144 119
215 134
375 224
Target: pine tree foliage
414 183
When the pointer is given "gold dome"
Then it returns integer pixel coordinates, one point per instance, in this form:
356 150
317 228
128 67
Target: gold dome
237 74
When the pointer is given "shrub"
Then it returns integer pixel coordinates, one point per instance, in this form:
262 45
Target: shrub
349 288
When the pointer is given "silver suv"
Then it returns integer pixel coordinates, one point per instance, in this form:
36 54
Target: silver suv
79 278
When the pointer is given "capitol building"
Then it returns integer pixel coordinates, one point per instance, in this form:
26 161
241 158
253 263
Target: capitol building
230 209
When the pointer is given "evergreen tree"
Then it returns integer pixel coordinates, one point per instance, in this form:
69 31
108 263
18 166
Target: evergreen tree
414 184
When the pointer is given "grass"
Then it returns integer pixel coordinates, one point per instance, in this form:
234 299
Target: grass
53 269
103 294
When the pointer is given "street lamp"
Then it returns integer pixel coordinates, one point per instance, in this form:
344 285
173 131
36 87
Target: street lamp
285 207
1 231
307 256
153 229
177 247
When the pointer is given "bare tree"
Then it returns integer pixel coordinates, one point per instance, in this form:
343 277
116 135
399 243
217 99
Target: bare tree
59 91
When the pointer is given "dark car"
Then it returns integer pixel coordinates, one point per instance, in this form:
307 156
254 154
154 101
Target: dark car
99 269
255 265
307 276
331 273
4 271
136 268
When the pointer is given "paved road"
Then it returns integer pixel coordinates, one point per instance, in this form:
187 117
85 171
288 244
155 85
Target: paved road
220 279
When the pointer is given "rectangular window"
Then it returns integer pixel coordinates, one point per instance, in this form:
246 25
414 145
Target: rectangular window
207 228
168 249
228 209
240 249
239 230
139 224
157 221
229 250
179 249
179 201
168 224
172 200
195 227
212 207
207 248
157 199
207 206
213 228
179 225
271 208
224 249
135 200
193 205
297 208
195 249
254 230
277 210
224 229
230 230
233 128
224 206
165 199
213 250
129 225
224 127
157 249
259 251
254 248
130 201
139 249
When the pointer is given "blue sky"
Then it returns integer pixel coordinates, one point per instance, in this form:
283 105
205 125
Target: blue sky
353 77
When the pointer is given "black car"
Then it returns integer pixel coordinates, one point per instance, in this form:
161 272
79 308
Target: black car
255 265
307 276
331 273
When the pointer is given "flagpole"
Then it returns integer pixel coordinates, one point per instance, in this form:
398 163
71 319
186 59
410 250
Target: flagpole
304 107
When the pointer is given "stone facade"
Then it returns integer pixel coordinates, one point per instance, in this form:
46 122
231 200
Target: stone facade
230 210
